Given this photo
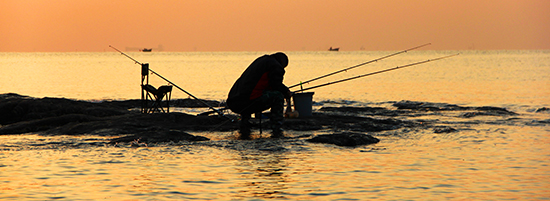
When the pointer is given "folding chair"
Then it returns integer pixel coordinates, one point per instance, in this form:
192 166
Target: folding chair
151 97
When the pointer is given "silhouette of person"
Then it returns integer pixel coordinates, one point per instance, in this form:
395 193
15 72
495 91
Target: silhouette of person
261 87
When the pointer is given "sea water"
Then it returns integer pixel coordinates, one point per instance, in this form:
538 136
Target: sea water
489 158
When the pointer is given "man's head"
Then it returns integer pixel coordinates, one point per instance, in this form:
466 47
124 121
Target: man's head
281 58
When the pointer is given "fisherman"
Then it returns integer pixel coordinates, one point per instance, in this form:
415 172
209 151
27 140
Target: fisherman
261 87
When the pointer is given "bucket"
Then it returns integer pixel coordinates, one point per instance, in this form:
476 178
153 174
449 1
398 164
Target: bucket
303 103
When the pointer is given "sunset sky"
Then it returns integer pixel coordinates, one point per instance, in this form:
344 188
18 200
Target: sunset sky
258 25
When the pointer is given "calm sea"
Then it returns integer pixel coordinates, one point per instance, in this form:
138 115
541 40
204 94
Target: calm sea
490 158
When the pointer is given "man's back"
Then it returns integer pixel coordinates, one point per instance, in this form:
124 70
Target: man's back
264 73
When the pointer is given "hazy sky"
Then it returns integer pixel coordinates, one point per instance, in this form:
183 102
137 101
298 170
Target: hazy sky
282 25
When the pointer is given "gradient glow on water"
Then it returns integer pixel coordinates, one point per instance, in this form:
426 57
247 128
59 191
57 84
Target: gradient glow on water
490 158
492 163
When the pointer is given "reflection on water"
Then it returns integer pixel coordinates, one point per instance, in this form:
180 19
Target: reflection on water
265 175
484 162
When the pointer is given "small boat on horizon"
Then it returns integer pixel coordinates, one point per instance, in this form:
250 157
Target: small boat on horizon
146 50
334 49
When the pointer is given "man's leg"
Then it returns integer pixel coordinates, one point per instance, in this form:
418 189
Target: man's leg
275 100
244 127
269 99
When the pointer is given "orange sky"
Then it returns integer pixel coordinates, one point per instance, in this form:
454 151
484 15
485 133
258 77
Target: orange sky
285 25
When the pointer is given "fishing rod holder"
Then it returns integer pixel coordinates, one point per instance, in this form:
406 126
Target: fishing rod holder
153 99
151 94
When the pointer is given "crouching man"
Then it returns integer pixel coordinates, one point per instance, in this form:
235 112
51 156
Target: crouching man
261 87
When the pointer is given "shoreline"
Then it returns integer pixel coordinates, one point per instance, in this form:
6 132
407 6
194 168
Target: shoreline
59 116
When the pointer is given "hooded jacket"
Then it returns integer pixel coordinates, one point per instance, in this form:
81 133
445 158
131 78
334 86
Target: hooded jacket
264 73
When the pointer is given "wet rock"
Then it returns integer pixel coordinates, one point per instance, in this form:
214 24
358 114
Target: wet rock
488 111
414 105
495 111
8 96
187 102
53 116
539 122
345 139
339 102
195 103
362 124
473 111
44 124
58 116
354 109
158 135
138 123
364 110
469 114
303 124
342 122
543 109
375 125
20 108
444 129
273 149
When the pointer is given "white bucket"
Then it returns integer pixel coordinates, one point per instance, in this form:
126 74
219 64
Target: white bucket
303 103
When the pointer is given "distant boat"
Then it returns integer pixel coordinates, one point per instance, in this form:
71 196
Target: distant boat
334 49
146 50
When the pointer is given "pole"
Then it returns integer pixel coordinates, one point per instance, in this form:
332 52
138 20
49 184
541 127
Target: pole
201 101
377 72
137 62
358 65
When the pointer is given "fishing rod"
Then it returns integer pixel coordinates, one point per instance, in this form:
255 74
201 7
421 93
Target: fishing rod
377 72
358 65
201 101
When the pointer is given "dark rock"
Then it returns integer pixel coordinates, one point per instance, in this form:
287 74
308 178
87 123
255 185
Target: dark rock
159 135
138 123
343 122
488 111
303 124
414 105
476 111
444 129
44 124
53 116
376 125
354 109
495 111
195 103
58 116
469 114
545 121
543 109
8 96
345 139
15 109
187 103
123 104
364 110
362 124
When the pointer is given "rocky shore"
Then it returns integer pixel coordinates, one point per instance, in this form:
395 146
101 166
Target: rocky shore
350 125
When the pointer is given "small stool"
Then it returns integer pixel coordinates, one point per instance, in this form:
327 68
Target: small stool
154 97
